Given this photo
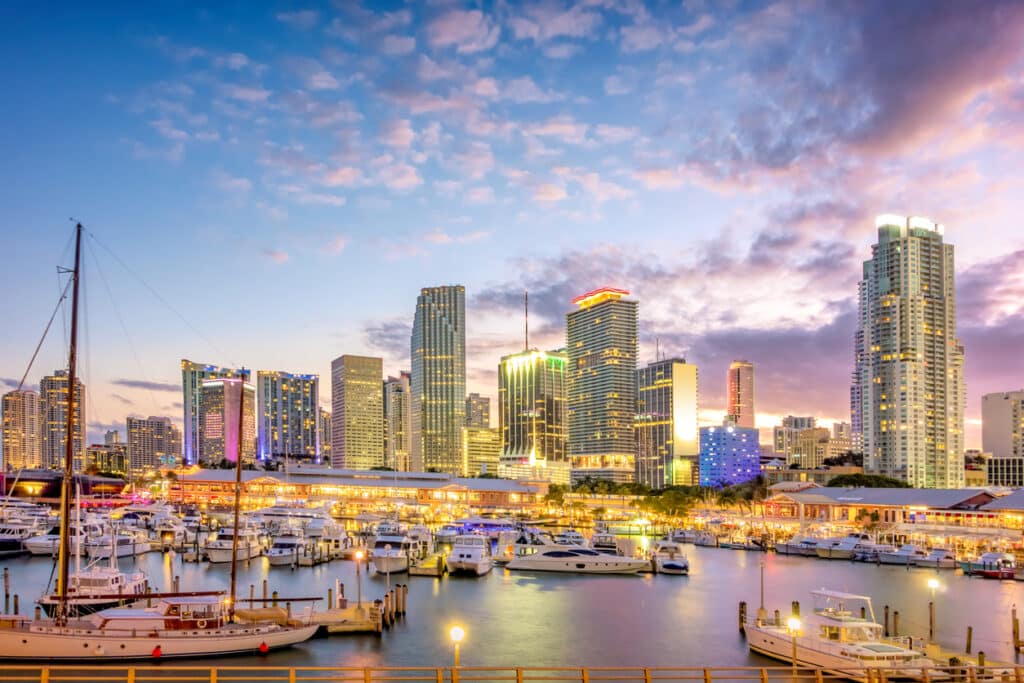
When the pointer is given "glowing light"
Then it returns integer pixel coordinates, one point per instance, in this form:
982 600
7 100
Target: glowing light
456 634
596 296
890 219
933 583
794 624
359 555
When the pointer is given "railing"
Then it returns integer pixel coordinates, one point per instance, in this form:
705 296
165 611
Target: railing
86 673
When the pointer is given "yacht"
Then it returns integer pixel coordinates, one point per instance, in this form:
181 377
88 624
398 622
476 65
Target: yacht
937 558
574 560
97 588
682 536
286 549
669 558
390 553
834 636
906 556
570 537
122 543
706 539
990 566
843 548
13 535
871 552
219 549
49 543
604 542
422 540
447 533
805 546
471 553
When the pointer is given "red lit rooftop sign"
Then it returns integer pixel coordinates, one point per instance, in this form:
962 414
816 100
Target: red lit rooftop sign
601 293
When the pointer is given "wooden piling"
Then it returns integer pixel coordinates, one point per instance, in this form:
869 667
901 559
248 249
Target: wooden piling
1015 626
264 591
931 622
970 637
330 598
896 624
7 591
176 582
743 616
885 623
252 595
981 661
778 618
288 610
16 610
38 613
796 608
403 602
274 599
863 612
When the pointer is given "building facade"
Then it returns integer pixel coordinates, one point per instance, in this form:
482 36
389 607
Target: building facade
478 411
218 422
22 430
740 388
397 422
325 436
289 418
438 380
531 408
909 390
729 454
481 451
784 436
153 442
667 440
602 349
1002 424
53 405
192 377
108 458
357 412
1007 472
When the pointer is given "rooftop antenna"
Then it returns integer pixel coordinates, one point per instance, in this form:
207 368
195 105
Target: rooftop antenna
526 317
657 353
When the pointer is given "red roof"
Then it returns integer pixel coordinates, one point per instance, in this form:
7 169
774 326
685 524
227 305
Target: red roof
600 290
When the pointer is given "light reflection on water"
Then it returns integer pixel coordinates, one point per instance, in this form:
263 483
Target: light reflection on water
534 619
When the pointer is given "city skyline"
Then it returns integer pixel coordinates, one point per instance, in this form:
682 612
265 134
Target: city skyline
484 155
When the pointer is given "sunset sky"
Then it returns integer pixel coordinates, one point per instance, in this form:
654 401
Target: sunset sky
271 186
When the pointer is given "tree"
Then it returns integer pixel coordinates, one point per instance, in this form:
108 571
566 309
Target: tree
867 481
556 494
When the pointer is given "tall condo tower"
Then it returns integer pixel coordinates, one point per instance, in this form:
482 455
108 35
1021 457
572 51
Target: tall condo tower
53 406
740 383
601 343
397 422
152 442
21 430
357 412
908 390
192 376
531 408
289 415
438 380
218 422
667 441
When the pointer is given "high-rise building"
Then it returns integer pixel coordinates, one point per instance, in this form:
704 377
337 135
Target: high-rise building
740 383
192 376
357 412
729 454
842 430
602 348
21 430
220 400
153 442
110 457
398 422
908 379
531 409
53 405
1002 424
667 441
111 437
478 411
289 418
785 435
438 379
481 451
325 436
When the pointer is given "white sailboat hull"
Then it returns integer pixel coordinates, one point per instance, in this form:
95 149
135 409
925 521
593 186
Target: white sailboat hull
220 554
48 545
395 564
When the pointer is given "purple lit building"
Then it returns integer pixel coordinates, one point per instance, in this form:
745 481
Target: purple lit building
729 454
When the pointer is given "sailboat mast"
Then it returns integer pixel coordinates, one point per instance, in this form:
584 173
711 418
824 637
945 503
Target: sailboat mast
64 554
238 495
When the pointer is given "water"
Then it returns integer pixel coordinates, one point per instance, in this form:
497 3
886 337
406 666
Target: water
528 619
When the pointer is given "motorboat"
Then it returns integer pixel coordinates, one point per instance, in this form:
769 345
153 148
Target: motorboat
97 588
49 543
842 548
471 553
805 546
753 544
422 540
604 542
570 537
505 547
669 558
575 560
390 554
706 539
906 556
835 637
13 535
871 552
488 526
992 565
682 536
447 534
219 549
120 543
937 558
286 549
172 532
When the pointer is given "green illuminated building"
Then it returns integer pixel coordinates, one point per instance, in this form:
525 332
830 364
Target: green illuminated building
531 407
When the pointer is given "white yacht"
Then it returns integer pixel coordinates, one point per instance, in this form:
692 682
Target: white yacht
604 542
97 588
669 558
390 554
49 543
842 548
937 558
574 560
872 552
906 556
471 553
14 533
422 540
286 549
992 565
122 543
682 535
570 537
219 549
706 539
835 637
805 546
447 534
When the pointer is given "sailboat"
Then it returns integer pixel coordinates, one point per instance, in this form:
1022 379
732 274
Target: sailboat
167 625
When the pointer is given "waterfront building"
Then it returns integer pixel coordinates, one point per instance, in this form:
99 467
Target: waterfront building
153 442
325 437
478 411
481 450
740 387
667 440
53 405
908 377
810 448
729 454
110 458
397 422
842 430
289 418
22 430
820 476
192 377
602 348
357 412
1008 472
218 421
784 436
438 380
531 413
1002 424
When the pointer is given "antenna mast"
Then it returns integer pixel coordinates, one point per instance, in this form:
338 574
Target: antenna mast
526 317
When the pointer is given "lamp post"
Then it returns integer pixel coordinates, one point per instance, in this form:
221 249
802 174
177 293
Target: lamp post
456 634
359 581
933 584
794 629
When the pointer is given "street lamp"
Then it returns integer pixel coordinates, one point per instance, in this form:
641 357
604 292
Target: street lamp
933 584
359 581
456 634
794 629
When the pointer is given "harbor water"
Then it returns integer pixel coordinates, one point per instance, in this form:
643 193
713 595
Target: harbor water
537 619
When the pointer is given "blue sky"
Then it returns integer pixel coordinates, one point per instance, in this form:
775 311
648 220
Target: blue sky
286 177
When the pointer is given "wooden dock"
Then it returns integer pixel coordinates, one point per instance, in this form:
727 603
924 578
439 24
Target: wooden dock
434 564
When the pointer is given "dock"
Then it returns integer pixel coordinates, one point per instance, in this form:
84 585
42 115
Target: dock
433 564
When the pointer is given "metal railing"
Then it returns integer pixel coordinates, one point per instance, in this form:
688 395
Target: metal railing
85 673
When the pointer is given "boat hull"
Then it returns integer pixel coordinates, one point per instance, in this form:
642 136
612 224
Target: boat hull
475 567
834 553
220 555
393 564
102 552
282 559
611 566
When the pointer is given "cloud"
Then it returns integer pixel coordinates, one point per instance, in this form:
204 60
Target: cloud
336 245
303 195
230 183
541 22
523 90
392 337
142 151
480 195
438 236
397 45
252 94
397 175
475 159
121 399
547 192
148 386
617 85
344 176
398 133
301 19
469 31
562 127
276 255
615 134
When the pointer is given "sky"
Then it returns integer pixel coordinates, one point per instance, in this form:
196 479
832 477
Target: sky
270 186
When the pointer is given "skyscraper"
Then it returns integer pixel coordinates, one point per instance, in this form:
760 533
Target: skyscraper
53 405
21 430
481 450
908 379
741 393
357 412
667 442
729 454
192 376
289 418
1002 424
153 442
531 408
218 421
398 422
478 411
785 435
438 379
602 347
325 436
